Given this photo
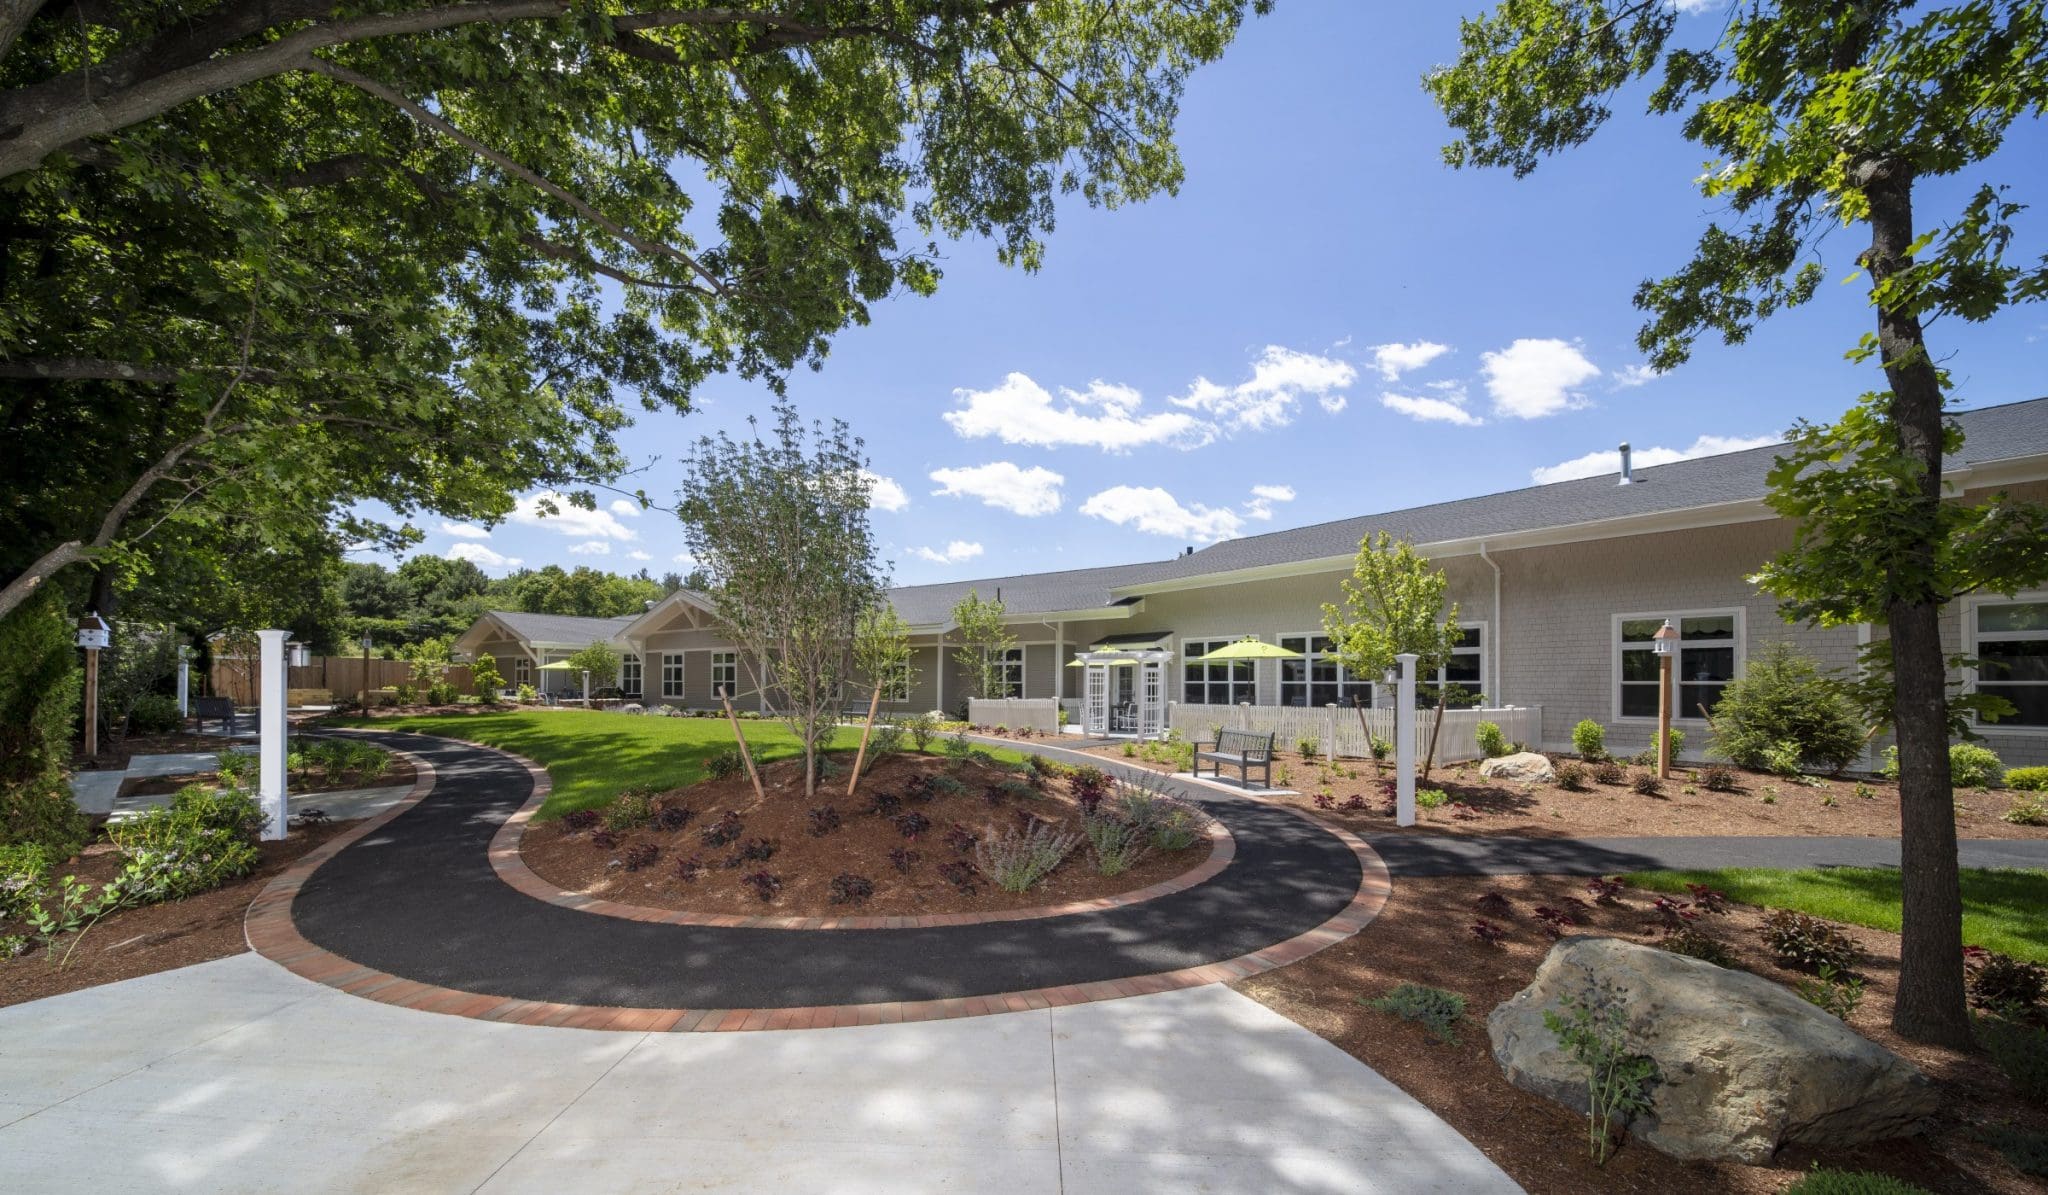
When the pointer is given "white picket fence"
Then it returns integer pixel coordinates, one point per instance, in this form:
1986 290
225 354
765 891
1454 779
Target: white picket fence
1041 714
1338 730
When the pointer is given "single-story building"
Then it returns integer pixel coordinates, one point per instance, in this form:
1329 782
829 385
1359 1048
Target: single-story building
1559 588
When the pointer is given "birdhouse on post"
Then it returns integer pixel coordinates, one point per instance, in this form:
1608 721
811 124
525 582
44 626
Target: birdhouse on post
93 636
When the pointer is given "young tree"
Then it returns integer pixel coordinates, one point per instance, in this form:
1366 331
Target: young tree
600 661
985 641
673 191
1821 117
429 659
780 527
881 650
1394 603
485 678
140 659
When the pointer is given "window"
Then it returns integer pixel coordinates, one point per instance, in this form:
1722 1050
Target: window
1009 674
896 687
629 675
1318 679
1706 661
522 671
672 674
725 673
1462 678
1226 682
2012 657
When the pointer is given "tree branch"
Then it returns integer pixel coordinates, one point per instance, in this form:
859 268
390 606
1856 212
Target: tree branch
92 369
14 17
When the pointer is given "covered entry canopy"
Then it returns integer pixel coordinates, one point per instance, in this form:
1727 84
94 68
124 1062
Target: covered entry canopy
1107 710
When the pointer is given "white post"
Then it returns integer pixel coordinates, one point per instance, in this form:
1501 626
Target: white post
941 673
586 688
270 733
1404 742
184 683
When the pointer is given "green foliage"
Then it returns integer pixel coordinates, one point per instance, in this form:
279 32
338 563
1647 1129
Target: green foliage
1973 766
2002 984
724 764
1116 842
2020 1050
1381 749
1589 739
1646 784
1571 775
1431 798
600 660
1809 942
1694 942
484 677
2032 780
1434 1009
39 690
1309 746
881 651
527 695
154 713
139 661
1827 1181
1594 1031
1020 858
1832 990
630 810
24 868
1782 698
1717 779
921 728
984 641
237 769
2026 1149
1393 603
1677 743
2027 811
1491 741
204 838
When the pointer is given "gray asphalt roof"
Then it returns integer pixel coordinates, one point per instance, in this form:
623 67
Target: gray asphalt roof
561 628
1990 433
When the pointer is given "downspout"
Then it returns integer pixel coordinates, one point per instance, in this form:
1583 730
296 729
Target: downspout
1493 649
1059 654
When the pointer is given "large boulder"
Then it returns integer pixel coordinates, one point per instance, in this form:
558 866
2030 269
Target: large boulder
1745 1066
1522 766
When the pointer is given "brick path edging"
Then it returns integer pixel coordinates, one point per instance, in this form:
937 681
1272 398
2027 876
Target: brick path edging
272 934
512 868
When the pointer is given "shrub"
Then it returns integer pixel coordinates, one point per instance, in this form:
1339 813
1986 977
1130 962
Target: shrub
1832 992
921 728
1609 771
1606 890
1380 749
200 841
1971 765
912 824
822 820
639 854
1491 740
902 858
1494 904
24 867
850 889
689 869
1646 784
1809 942
1571 775
763 884
1717 779
723 831
2002 984
1589 739
154 713
1694 942
2021 1051
1823 1181
754 850
1431 798
1677 744
724 763
1179 827
579 820
1487 932
527 695
1434 1009
603 840
1308 747
2026 1149
1116 842
2027 811
1593 1030
39 691
673 817
1782 699
960 874
1021 858
2031 780
630 810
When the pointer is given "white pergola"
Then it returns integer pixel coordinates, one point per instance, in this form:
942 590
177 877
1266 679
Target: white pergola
1146 717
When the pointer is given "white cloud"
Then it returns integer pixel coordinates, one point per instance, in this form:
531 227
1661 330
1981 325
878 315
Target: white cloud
1450 409
684 558
1263 497
1690 7
569 520
1280 378
1020 411
1608 460
627 507
1333 403
481 556
1630 376
954 553
637 554
884 493
1149 508
1033 491
1533 378
590 547
1393 360
464 530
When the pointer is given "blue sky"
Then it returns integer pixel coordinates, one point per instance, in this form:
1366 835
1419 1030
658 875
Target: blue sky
1325 322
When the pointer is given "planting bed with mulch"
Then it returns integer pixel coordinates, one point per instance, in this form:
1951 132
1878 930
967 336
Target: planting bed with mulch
903 833
152 938
1541 1144
1358 798
113 757
312 780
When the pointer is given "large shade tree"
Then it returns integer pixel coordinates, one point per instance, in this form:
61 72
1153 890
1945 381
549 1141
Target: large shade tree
1837 116
261 260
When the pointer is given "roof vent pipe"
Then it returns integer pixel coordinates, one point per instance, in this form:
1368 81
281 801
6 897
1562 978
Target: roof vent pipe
1628 474
1190 550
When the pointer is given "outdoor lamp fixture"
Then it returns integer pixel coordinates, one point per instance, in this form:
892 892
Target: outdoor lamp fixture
297 654
1665 646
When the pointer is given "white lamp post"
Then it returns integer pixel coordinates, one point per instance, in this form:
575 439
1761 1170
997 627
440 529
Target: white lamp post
1665 644
184 681
1404 741
270 733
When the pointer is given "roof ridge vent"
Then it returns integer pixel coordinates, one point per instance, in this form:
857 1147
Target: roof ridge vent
1628 473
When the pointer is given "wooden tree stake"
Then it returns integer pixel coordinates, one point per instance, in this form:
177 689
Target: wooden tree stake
860 757
745 755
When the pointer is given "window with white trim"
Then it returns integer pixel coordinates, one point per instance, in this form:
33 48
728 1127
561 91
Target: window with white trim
1009 673
2012 658
1461 678
725 673
1317 679
671 674
1708 652
1224 682
522 671
629 675
896 685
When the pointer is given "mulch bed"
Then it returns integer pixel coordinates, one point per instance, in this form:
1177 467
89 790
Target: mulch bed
314 780
152 938
114 757
1761 805
1421 938
806 864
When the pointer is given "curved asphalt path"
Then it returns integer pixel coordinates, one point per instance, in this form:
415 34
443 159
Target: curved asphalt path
418 898
1446 855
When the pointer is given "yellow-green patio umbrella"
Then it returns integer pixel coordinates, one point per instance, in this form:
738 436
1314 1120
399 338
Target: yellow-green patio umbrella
1250 649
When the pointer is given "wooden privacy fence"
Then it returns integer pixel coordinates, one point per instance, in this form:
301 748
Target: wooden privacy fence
234 677
1041 714
1337 731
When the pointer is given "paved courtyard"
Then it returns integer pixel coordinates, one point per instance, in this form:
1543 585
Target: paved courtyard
237 1076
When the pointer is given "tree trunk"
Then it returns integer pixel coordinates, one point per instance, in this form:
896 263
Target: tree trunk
1931 1004
1436 727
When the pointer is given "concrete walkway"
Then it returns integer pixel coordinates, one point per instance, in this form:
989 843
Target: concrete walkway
236 1076
1453 855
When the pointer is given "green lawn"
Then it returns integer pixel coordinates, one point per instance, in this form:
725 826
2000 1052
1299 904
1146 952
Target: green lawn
592 755
2002 909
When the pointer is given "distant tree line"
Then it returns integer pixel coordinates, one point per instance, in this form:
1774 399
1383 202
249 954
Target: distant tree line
431 597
